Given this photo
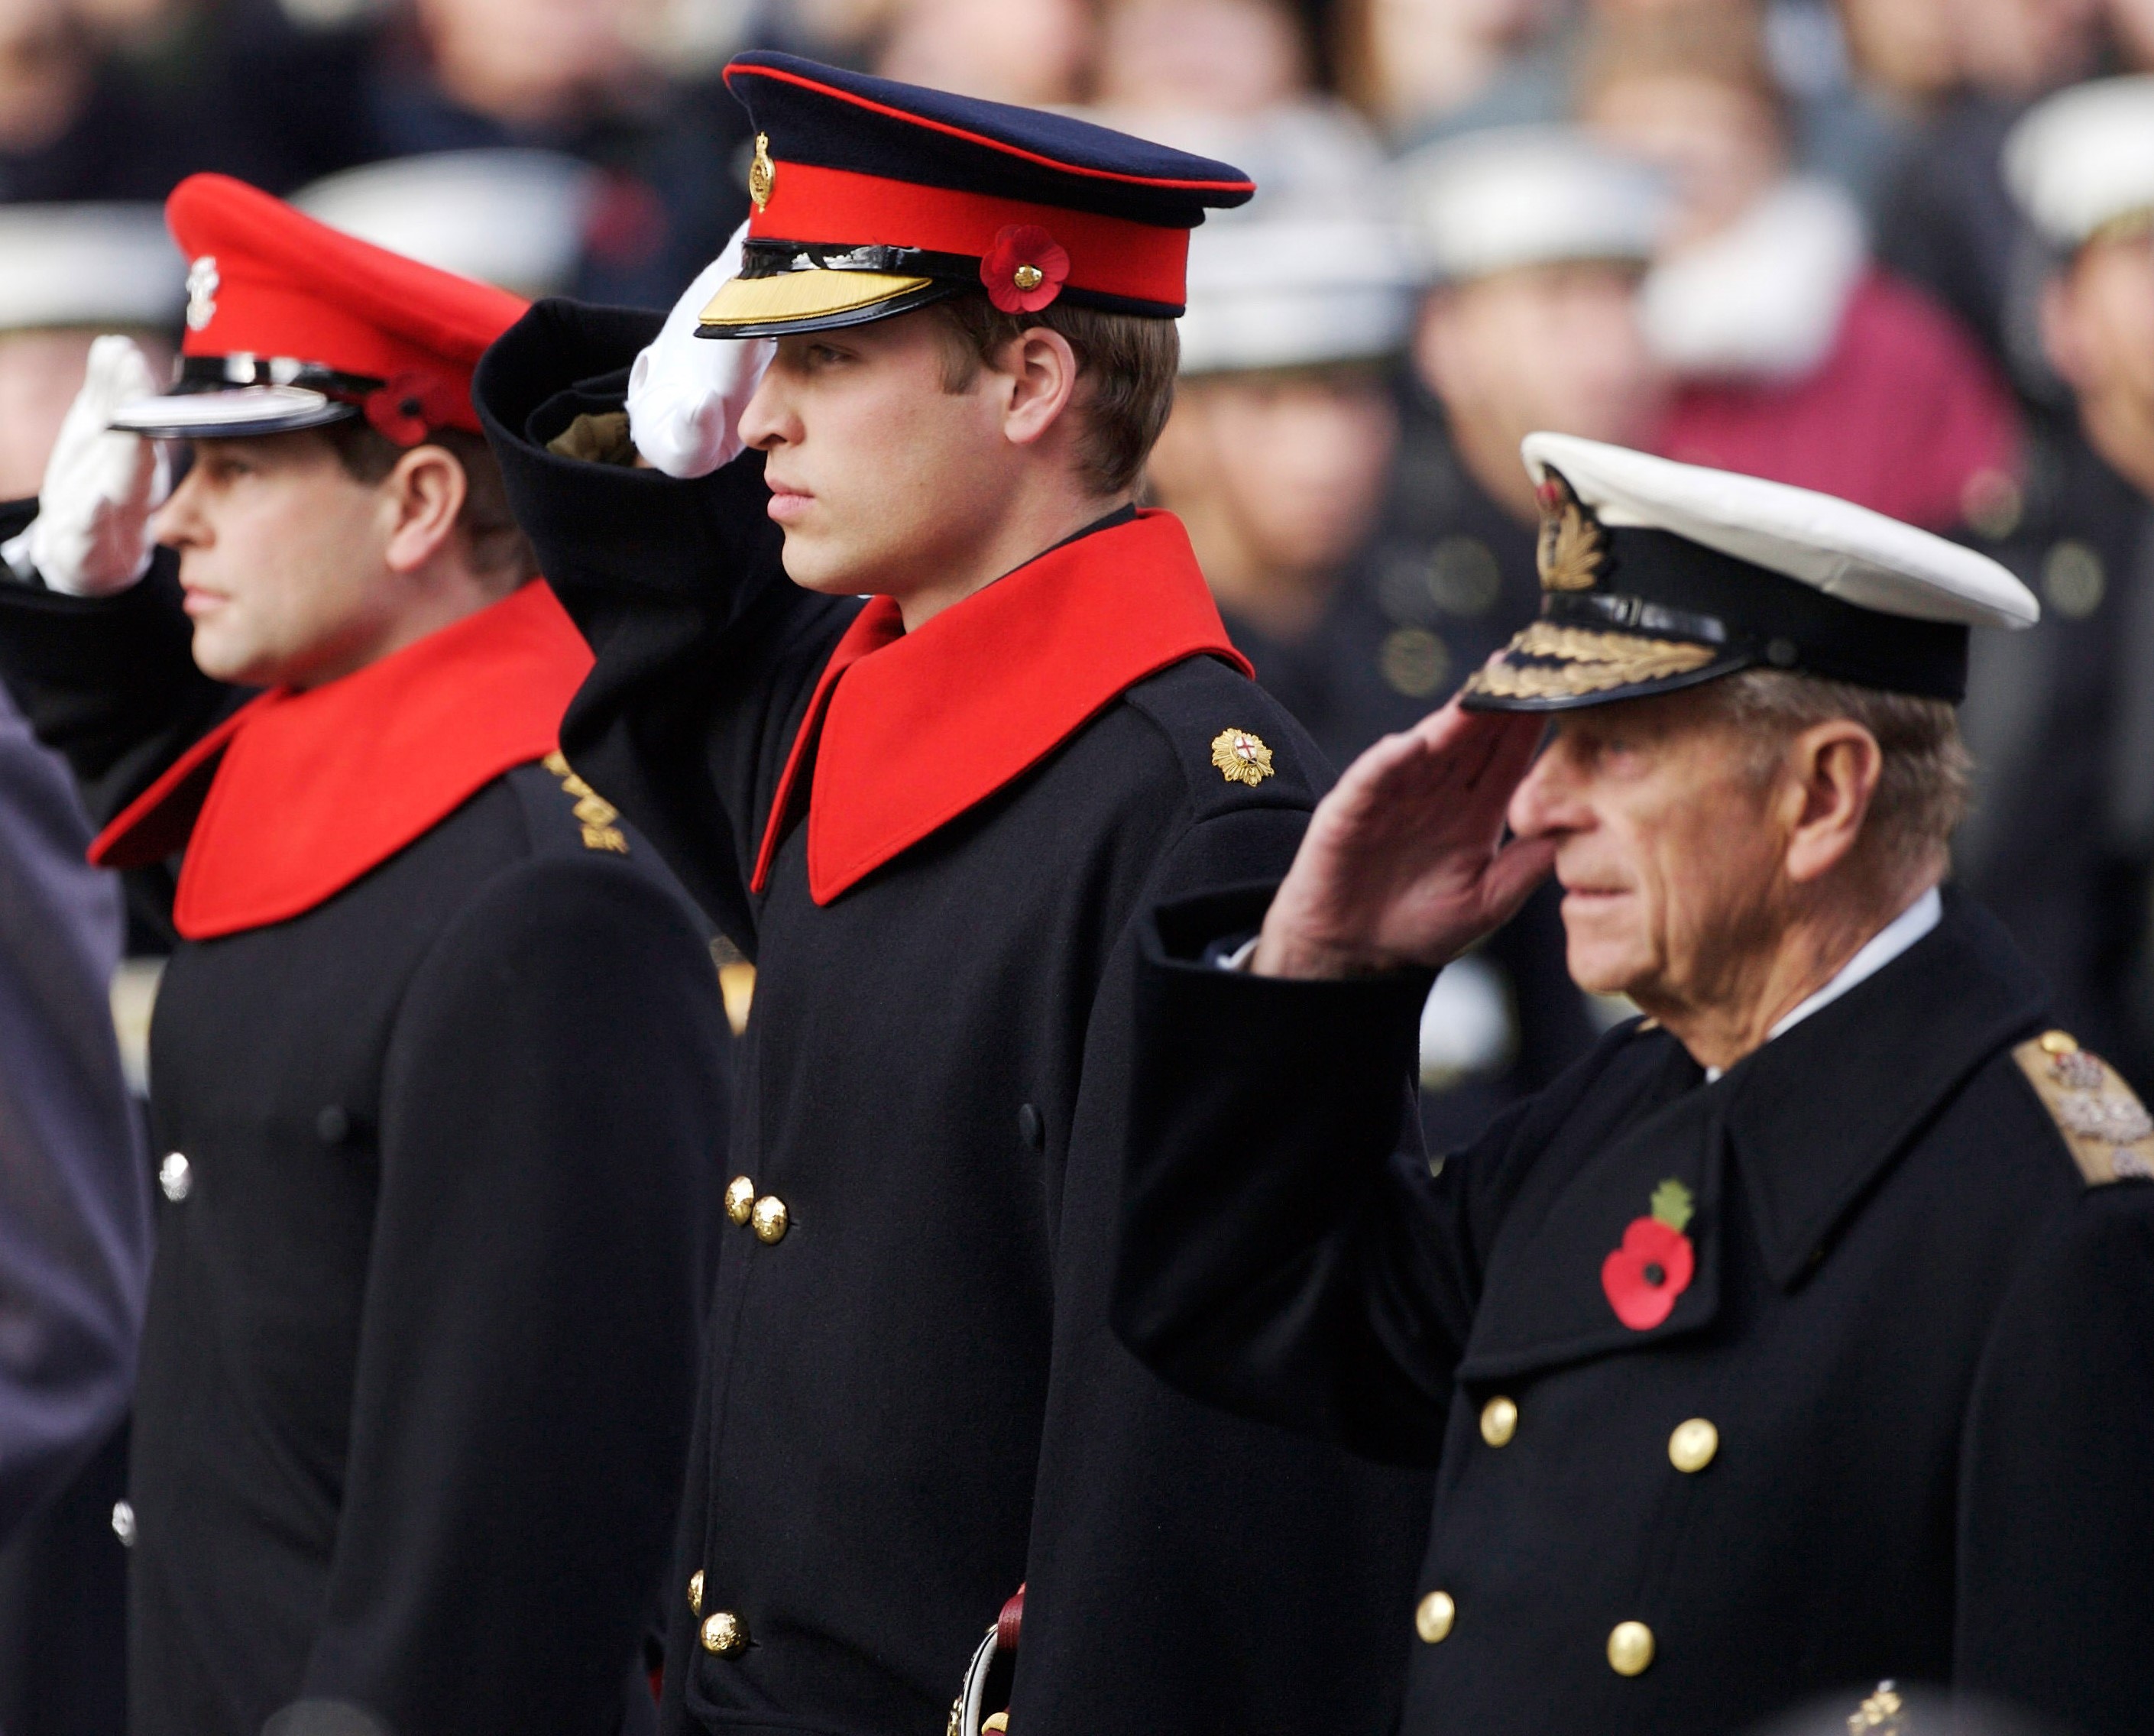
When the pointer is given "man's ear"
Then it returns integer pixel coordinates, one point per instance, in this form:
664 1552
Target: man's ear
1834 767
1041 371
421 497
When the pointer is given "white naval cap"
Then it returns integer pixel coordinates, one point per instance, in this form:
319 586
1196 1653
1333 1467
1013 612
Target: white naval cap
1508 197
1288 292
1657 575
513 218
88 265
2085 159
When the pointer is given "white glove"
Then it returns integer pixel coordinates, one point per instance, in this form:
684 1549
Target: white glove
91 536
686 394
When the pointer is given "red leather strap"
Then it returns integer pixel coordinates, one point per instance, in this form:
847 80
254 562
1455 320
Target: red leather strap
1007 1624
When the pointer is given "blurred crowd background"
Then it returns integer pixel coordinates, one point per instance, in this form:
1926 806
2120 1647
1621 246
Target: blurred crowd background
1785 237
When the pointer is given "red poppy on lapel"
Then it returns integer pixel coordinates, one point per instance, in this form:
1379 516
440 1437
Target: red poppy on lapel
1656 1263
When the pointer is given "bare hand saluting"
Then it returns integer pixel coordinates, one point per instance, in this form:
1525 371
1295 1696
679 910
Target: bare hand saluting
1403 862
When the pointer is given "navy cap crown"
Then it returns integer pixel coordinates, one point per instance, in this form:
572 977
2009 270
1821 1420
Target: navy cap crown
833 119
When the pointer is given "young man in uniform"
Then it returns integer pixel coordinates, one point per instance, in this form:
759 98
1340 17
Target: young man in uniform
1802 1336
932 818
434 1065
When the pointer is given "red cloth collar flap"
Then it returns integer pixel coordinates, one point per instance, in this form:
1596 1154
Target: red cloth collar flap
907 731
298 794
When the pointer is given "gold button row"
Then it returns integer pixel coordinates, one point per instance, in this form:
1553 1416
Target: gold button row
768 1215
1691 1448
1630 1643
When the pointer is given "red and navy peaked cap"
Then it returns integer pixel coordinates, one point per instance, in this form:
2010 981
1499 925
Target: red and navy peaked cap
293 324
872 198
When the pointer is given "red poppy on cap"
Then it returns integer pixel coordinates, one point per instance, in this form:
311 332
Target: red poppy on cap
1025 269
293 325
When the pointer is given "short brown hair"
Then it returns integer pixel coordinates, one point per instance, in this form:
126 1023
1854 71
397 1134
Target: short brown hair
1130 361
1922 794
498 552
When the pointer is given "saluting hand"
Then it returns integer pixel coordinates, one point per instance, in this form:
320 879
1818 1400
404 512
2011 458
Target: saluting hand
1403 862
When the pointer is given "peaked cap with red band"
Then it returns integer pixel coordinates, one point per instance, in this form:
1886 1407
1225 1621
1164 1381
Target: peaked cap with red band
293 325
872 198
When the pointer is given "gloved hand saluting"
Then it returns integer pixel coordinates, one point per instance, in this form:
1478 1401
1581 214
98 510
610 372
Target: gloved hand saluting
91 536
685 393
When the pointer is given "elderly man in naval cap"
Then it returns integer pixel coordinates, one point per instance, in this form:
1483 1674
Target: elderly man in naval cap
1799 1337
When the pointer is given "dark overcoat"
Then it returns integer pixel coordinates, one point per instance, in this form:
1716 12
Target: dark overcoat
912 1401
437 1156
1924 1346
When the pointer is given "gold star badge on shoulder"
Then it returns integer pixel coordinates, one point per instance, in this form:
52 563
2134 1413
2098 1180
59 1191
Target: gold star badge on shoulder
1241 757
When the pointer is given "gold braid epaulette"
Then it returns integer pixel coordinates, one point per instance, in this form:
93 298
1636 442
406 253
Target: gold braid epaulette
593 811
2105 1125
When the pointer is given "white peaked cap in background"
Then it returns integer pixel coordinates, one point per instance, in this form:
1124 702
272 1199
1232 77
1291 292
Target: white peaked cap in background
88 265
2084 158
1488 201
1845 551
1294 292
513 218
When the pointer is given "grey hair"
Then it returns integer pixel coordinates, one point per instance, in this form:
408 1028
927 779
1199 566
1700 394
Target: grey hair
1923 783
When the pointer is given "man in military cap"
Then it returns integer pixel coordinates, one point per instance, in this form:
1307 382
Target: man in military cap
1799 1337
434 1066
946 343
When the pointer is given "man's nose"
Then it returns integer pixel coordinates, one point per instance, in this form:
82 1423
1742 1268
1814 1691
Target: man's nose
177 523
766 422
1544 804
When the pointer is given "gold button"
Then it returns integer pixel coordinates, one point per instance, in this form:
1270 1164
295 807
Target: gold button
1433 1616
770 1218
1692 1447
726 1634
2059 1043
1028 277
1631 1648
1500 1422
740 1199
695 1592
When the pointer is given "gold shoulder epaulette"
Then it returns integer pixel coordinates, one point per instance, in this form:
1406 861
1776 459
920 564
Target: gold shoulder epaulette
2105 1127
593 811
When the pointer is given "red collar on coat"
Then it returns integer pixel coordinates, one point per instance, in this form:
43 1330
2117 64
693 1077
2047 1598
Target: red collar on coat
297 795
907 731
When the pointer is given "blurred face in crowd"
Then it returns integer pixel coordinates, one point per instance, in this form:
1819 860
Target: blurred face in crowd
1032 51
1548 346
1685 856
40 373
1418 58
2022 47
531 62
884 479
295 573
1228 57
1718 143
2132 28
45 72
1277 477
2098 320
1908 48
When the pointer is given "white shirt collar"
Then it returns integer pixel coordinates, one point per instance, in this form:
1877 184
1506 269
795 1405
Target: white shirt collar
1880 950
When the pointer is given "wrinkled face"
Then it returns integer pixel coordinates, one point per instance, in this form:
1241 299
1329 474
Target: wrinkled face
1668 860
879 476
1299 459
1554 346
281 560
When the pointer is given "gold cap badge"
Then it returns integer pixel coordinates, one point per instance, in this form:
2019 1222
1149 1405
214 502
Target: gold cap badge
762 173
1573 546
1241 757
